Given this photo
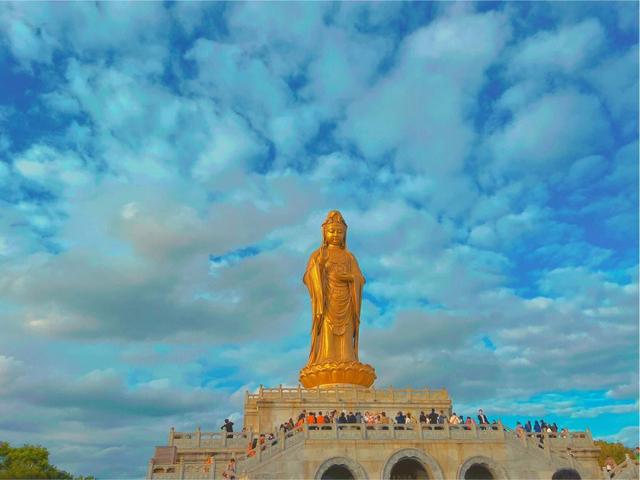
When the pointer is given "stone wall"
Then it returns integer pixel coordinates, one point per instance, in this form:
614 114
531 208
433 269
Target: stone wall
372 452
267 409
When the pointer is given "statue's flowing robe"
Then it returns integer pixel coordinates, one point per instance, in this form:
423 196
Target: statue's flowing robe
335 305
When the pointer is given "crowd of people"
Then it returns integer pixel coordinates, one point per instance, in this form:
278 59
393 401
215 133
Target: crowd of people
316 420
540 427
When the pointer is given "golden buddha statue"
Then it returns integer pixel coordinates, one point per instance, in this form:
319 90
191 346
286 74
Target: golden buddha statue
335 286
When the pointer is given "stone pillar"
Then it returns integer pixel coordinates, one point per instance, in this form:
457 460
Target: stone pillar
150 470
181 469
171 432
547 447
198 436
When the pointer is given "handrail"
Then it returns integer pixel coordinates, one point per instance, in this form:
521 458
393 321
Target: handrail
382 394
628 463
362 431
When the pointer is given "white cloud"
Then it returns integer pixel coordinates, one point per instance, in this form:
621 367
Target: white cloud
552 131
628 436
564 50
45 164
10 368
616 78
418 111
27 42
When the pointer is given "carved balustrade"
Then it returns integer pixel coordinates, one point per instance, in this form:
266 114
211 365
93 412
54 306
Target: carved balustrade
214 440
341 393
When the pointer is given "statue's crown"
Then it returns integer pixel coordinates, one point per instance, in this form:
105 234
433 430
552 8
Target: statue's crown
334 216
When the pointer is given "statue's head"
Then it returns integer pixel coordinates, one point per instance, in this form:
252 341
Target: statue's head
334 230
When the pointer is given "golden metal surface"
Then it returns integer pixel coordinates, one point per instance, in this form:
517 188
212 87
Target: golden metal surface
335 286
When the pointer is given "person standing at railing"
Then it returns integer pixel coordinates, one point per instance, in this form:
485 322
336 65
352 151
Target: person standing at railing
454 419
251 448
230 472
442 419
207 464
311 418
433 417
228 427
610 464
384 420
342 418
400 418
468 423
423 417
410 419
482 418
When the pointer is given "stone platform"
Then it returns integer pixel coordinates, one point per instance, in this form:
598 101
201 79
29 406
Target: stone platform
265 410
362 451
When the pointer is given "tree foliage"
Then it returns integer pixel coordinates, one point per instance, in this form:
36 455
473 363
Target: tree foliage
28 461
614 450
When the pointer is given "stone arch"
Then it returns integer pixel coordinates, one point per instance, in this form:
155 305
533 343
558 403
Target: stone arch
566 474
429 463
497 471
354 467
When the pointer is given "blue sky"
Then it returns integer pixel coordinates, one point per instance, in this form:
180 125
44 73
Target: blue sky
165 167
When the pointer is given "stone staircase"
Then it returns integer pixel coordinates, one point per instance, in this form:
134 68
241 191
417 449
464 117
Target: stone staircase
627 470
273 451
555 450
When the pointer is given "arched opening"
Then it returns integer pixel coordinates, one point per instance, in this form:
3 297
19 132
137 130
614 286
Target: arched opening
478 472
409 469
566 474
337 472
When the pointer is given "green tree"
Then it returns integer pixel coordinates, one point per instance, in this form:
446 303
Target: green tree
28 461
613 450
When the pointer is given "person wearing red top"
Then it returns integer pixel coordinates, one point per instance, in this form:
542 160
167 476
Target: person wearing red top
320 418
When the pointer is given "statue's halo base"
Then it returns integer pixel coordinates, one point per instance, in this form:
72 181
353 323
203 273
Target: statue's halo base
328 374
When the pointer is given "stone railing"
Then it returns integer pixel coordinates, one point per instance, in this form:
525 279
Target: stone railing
629 466
164 472
557 440
552 445
182 471
216 440
389 394
273 447
376 432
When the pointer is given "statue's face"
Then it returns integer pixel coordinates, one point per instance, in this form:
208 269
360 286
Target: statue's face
334 234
